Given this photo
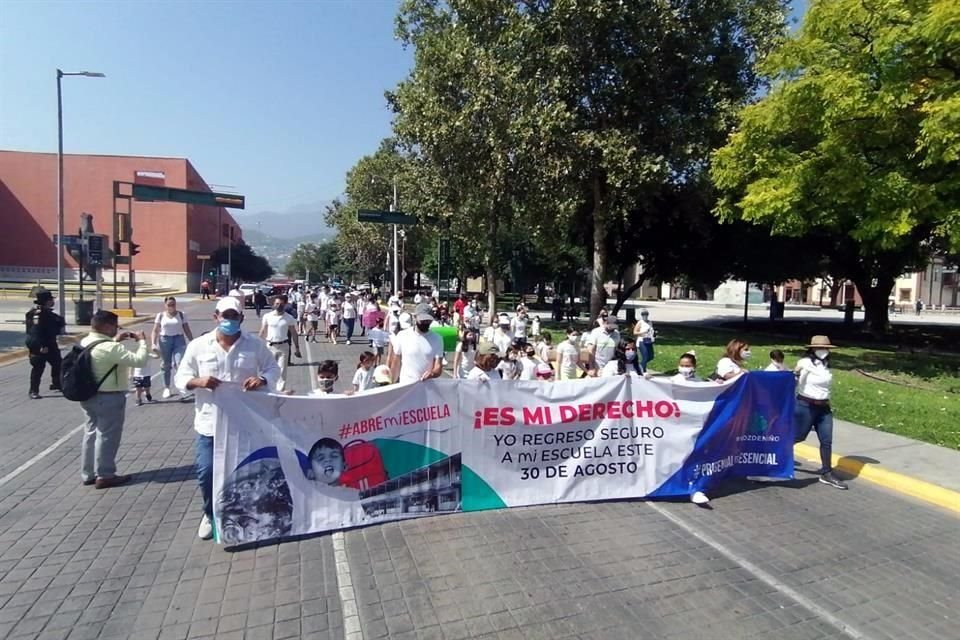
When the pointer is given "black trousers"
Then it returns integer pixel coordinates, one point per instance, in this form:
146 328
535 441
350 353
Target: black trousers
38 362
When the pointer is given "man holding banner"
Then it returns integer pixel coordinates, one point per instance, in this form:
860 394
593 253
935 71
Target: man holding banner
227 357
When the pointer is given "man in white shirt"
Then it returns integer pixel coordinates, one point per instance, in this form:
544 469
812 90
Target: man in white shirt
602 344
418 353
223 356
279 329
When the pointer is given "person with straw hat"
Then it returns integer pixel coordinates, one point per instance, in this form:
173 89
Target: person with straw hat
813 411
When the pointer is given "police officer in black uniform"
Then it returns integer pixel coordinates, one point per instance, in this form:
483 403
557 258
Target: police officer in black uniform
43 327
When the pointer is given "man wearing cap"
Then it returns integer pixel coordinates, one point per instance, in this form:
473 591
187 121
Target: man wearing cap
106 410
43 327
417 353
485 363
223 356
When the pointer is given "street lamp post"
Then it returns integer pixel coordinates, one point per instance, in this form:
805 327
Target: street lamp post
60 280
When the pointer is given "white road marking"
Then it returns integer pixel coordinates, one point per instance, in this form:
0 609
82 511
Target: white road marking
763 576
352 630
53 447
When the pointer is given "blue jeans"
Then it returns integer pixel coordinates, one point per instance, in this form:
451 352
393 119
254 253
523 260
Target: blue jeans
172 349
204 449
646 352
819 418
349 322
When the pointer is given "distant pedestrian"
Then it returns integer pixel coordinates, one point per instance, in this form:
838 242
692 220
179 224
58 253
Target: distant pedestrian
465 354
279 329
378 340
223 355
349 313
43 327
919 306
106 410
813 411
644 333
259 301
205 289
171 332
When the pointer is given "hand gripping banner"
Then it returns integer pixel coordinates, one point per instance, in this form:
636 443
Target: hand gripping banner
293 465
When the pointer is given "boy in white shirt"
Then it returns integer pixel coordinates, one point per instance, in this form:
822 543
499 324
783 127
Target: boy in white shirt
378 340
141 377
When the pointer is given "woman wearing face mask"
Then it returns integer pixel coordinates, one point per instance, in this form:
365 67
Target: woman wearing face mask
568 357
528 363
687 369
465 353
734 361
624 362
813 410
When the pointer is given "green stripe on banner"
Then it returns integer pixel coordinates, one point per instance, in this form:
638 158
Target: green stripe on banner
401 457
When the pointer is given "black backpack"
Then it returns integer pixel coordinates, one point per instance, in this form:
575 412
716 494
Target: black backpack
76 373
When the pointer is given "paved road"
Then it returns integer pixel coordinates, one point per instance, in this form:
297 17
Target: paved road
795 560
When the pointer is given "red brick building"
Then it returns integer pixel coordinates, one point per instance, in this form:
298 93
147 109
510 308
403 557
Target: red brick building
170 235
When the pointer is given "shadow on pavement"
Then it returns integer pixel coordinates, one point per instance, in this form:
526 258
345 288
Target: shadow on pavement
165 475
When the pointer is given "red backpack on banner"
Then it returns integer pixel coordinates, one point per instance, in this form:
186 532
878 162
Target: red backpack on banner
364 465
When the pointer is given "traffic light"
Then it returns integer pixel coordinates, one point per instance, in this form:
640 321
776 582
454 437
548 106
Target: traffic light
212 273
134 249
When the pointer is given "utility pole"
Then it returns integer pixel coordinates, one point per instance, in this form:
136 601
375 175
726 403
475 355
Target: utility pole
396 252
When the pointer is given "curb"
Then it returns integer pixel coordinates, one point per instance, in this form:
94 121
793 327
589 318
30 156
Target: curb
920 489
22 353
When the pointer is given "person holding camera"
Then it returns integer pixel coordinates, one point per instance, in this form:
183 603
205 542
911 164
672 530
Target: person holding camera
106 410
43 327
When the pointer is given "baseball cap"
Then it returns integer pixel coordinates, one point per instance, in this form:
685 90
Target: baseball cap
381 375
423 316
229 303
487 349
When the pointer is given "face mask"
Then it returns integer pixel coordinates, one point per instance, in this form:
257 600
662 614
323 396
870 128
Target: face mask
686 372
573 339
423 327
745 354
821 353
229 327
326 384
631 355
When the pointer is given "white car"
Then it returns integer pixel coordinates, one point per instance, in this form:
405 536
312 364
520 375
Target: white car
248 290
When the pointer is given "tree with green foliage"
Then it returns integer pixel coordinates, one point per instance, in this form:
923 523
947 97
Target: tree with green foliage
246 265
318 259
858 140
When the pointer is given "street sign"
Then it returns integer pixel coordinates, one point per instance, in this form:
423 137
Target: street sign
385 217
203 256
70 242
121 259
150 193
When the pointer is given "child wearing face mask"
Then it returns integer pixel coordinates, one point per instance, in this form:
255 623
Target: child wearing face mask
510 367
568 357
734 362
363 377
327 373
687 369
464 354
528 363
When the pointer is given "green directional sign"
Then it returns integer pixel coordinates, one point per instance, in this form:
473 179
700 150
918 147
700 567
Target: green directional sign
385 217
150 193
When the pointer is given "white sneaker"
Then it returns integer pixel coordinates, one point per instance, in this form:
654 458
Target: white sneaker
166 394
348 342
699 497
205 532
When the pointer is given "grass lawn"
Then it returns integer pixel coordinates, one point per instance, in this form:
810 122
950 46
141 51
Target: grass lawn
920 400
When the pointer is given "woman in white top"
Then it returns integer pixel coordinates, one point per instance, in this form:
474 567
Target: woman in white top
734 362
171 332
813 411
645 335
623 362
349 312
465 354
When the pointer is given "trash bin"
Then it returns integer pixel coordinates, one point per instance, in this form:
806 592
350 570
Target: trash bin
449 337
777 309
848 310
82 312
631 315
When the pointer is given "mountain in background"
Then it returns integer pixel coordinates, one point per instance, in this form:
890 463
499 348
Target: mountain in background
275 235
301 220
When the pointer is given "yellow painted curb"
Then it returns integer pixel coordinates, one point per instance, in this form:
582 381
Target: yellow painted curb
900 483
65 340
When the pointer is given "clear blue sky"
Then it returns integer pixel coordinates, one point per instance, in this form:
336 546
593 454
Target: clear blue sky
278 98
